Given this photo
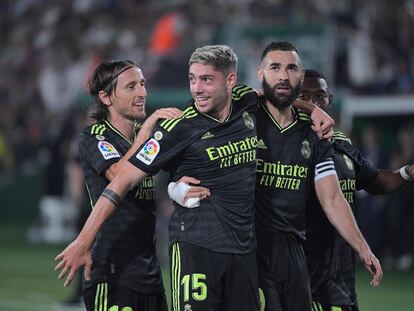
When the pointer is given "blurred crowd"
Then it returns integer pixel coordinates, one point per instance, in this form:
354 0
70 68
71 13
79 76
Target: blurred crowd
49 48
387 221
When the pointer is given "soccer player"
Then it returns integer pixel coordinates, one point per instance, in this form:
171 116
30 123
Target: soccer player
291 160
331 261
213 263
125 271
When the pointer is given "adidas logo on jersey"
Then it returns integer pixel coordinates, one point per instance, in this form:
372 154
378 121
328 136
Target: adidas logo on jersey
261 144
207 135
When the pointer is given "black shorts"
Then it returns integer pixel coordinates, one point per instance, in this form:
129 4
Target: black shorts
317 306
202 280
283 274
110 296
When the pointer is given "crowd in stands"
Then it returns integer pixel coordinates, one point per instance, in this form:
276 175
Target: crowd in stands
49 48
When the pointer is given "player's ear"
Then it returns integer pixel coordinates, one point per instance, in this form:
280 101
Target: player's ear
231 80
103 96
330 100
260 73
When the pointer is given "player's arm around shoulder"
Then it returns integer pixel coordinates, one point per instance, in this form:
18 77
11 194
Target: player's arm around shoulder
322 123
144 133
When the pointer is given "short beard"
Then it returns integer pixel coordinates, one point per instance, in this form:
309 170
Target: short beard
280 102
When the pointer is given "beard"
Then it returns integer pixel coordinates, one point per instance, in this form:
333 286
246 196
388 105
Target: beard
280 102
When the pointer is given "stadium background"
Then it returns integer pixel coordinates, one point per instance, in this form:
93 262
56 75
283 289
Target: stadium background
48 48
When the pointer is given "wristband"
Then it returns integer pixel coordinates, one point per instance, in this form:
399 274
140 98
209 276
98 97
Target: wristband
111 196
177 192
404 173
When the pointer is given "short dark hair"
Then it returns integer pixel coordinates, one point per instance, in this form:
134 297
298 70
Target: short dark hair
279 46
105 78
312 73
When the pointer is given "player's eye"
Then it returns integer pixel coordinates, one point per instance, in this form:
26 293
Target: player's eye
305 97
293 68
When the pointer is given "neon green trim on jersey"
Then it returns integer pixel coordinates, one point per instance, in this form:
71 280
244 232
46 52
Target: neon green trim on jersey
277 124
216 119
240 90
343 138
188 113
303 116
316 306
101 297
89 194
338 135
175 278
98 129
118 132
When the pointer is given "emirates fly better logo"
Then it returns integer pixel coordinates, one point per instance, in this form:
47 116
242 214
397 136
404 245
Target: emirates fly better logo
149 152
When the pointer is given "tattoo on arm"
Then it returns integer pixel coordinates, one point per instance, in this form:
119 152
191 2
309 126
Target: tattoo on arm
111 196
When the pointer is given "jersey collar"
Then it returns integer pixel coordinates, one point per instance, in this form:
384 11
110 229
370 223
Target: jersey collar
282 130
113 128
214 118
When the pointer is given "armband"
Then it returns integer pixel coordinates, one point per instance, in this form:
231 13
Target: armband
111 196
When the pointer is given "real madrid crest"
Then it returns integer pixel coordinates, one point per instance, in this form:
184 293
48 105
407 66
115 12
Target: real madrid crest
248 121
348 162
158 135
306 150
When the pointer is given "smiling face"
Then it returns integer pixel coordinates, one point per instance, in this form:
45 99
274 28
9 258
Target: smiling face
128 98
211 89
281 76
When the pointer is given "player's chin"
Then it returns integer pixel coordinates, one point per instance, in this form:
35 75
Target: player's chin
204 107
139 114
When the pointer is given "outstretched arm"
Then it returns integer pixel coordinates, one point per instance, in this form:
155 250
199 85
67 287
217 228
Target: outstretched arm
340 215
77 253
388 181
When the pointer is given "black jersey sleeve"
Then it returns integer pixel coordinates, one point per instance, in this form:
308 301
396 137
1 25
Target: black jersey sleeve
168 140
324 165
244 95
100 154
365 171
325 150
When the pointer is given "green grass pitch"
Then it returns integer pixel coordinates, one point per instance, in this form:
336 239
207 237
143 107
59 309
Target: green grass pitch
28 281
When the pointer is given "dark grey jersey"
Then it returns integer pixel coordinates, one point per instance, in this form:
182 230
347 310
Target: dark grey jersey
124 249
289 161
331 260
223 156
